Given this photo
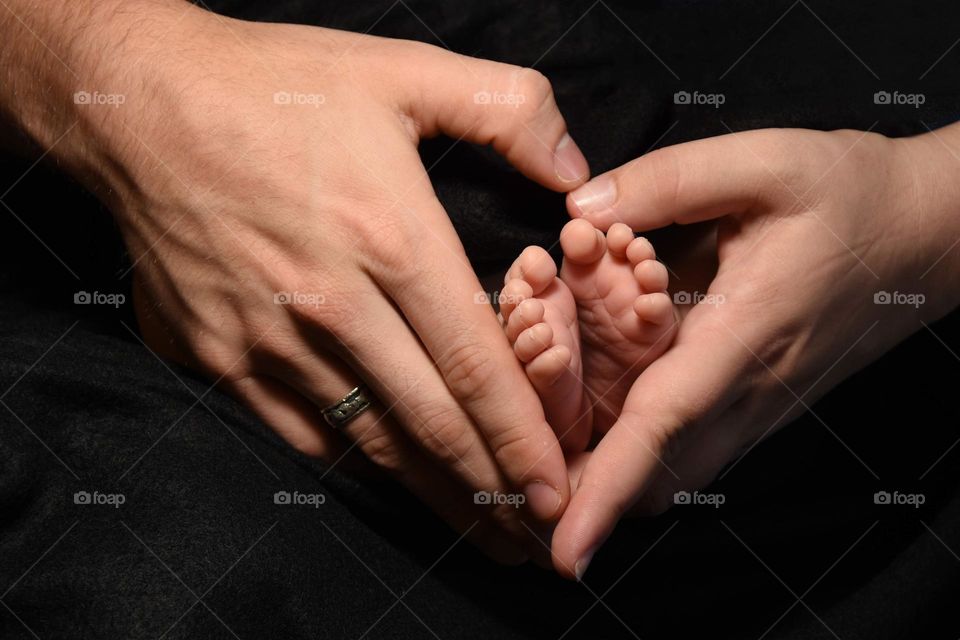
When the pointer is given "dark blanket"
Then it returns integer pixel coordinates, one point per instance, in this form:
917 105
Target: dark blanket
136 502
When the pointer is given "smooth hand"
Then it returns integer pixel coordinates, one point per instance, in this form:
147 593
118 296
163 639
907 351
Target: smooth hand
832 247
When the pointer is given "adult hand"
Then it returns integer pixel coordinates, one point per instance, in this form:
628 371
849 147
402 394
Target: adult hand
287 242
832 247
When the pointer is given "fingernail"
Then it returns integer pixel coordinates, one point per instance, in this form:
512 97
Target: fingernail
542 500
581 565
568 161
597 195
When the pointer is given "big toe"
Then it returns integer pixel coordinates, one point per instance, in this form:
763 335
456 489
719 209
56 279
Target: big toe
535 267
582 243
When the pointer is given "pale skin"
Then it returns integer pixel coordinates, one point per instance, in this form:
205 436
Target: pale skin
226 196
585 334
809 227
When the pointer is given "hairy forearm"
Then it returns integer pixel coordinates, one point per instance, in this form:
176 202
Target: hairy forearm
66 67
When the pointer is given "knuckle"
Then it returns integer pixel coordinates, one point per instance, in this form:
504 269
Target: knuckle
322 302
523 98
380 447
468 370
511 445
248 328
283 348
391 245
444 434
663 174
311 305
217 359
535 89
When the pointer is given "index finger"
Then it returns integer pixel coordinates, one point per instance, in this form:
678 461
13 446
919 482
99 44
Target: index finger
442 300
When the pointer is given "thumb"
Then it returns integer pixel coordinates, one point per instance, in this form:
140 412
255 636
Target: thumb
693 382
509 107
685 183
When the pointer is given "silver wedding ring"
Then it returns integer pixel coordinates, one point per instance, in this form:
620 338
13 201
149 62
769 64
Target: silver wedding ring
349 407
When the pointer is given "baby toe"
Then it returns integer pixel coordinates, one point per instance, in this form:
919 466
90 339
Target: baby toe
514 292
639 250
533 341
582 243
655 308
619 237
528 313
651 275
546 368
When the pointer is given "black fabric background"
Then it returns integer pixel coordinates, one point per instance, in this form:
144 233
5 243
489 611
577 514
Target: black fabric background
98 412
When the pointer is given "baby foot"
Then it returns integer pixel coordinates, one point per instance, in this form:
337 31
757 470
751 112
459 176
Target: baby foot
603 321
540 317
627 319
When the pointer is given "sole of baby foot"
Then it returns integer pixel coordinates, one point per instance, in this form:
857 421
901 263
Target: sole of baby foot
626 317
